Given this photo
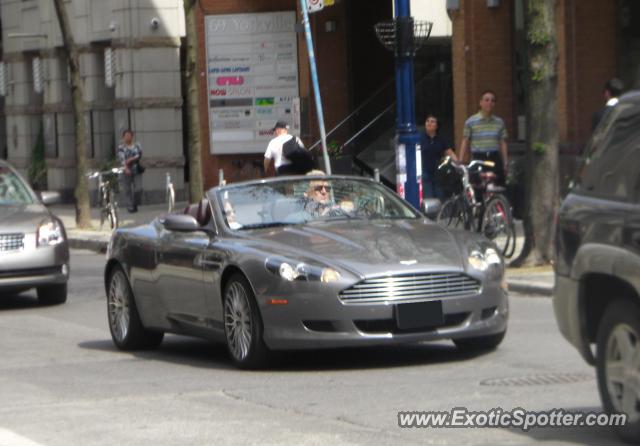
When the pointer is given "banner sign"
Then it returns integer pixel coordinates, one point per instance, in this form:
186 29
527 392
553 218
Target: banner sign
252 79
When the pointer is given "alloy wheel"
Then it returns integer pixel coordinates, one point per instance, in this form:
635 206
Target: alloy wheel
622 365
118 303
237 321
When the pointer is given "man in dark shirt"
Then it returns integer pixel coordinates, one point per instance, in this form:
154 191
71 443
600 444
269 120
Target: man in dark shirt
433 148
612 89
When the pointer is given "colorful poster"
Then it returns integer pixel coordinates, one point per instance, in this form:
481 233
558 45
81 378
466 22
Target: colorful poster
252 79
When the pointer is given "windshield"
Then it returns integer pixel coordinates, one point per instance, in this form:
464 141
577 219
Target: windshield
309 199
12 189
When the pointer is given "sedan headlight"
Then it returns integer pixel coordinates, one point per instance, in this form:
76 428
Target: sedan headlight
486 260
301 271
50 233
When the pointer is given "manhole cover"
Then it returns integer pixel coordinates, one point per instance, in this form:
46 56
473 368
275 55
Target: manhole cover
538 380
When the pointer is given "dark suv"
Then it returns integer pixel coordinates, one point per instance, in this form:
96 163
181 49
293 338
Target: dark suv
597 294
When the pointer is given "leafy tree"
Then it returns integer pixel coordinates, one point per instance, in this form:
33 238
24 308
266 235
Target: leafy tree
196 187
81 193
542 182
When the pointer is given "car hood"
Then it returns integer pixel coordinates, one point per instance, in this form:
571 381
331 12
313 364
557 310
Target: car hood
368 247
22 218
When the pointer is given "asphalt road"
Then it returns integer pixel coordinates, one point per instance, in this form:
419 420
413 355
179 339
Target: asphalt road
62 382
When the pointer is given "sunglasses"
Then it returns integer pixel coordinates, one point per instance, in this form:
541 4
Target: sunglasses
322 186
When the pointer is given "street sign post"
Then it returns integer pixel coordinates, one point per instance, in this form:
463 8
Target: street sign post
316 85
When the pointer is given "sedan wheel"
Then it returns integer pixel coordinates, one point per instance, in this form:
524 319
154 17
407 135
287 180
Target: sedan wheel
243 325
127 330
618 364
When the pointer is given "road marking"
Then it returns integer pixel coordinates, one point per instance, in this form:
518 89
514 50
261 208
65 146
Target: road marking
10 438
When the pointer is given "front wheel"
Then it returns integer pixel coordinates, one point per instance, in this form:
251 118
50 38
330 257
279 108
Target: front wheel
242 324
618 365
125 325
454 214
113 217
497 223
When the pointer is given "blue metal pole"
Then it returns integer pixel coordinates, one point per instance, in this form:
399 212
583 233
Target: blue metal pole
408 136
316 84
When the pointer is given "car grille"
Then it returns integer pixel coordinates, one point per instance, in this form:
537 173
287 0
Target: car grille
11 242
411 287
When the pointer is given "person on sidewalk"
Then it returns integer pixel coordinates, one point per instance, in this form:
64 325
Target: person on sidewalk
273 156
129 153
485 135
433 147
612 89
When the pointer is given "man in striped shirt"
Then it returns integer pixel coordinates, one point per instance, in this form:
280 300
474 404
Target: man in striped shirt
486 136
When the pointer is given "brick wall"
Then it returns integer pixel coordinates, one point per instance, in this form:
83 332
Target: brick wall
482 53
594 61
332 71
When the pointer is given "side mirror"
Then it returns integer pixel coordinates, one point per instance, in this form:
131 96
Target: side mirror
50 197
180 222
431 208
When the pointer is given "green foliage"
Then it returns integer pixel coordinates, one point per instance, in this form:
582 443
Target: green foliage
334 149
38 167
539 148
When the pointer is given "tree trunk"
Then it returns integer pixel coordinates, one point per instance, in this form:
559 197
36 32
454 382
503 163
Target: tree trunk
83 211
196 187
542 182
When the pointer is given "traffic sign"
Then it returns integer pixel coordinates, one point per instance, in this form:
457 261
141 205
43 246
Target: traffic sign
315 5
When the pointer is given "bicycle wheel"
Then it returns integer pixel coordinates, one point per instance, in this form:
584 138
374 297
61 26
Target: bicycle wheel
497 223
113 217
112 211
511 249
454 214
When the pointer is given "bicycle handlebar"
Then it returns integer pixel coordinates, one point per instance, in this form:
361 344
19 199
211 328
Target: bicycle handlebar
463 167
97 173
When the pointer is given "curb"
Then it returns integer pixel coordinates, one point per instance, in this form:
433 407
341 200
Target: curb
530 288
93 245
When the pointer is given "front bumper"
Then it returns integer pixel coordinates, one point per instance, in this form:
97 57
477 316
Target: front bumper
566 305
320 320
34 266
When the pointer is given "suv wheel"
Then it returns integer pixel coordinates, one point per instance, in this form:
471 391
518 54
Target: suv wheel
618 364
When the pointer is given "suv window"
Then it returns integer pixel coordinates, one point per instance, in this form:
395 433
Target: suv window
612 165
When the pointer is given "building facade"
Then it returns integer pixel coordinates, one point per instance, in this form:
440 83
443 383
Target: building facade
130 67
597 40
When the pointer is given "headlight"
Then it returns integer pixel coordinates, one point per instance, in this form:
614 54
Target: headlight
50 233
487 260
301 271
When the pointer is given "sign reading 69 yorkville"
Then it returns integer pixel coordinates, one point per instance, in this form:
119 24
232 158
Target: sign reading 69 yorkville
252 79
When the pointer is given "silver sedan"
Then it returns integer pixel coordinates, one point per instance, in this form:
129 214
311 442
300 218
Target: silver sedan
300 263
33 243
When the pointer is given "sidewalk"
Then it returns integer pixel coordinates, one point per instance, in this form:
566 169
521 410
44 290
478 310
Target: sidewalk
537 280
97 239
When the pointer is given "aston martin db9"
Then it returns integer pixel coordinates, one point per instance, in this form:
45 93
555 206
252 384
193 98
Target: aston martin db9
303 263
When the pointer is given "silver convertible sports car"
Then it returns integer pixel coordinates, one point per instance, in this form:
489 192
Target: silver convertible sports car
301 263
33 242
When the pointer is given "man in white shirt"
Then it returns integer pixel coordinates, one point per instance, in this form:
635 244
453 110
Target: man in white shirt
273 155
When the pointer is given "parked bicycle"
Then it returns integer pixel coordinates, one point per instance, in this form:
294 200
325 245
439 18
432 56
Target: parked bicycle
170 193
107 195
480 205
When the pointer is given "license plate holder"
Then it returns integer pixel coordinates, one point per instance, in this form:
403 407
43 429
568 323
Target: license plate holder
415 315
